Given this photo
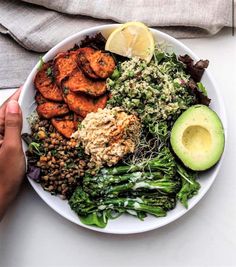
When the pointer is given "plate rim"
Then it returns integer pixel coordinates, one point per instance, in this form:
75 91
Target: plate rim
223 117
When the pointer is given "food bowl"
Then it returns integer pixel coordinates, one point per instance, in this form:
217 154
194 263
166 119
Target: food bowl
125 224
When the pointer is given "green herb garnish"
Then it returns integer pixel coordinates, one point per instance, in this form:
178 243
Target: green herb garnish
49 71
202 88
35 148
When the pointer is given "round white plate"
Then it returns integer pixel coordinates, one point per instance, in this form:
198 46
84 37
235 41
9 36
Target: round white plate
125 224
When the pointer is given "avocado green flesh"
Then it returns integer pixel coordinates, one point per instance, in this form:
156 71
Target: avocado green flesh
197 138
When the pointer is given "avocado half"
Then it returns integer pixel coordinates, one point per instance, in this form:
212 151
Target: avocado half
197 138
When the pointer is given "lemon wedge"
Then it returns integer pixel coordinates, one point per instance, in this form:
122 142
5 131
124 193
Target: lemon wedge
131 39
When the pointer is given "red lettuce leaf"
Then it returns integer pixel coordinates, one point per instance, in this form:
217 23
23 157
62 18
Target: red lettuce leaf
201 98
33 173
194 70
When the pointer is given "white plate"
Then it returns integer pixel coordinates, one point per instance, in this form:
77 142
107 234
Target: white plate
125 224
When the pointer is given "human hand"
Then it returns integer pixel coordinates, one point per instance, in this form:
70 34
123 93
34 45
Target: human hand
12 162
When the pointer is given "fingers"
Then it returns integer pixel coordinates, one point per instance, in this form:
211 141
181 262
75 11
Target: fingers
15 96
13 126
2 122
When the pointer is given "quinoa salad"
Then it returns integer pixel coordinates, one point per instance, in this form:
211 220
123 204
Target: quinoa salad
102 129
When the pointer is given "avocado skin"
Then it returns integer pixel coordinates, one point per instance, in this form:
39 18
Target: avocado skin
197 138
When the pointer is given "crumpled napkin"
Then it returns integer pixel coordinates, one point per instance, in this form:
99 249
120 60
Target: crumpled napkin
40 24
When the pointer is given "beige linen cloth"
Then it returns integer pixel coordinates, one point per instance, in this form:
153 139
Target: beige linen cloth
40 24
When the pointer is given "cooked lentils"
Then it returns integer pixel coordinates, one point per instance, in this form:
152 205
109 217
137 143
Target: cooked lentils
62 163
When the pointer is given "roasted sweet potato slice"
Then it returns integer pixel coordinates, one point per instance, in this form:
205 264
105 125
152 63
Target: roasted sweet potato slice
83 104
44 83
64 64
40 99
102 64
50 109
64 126
77 82
83 61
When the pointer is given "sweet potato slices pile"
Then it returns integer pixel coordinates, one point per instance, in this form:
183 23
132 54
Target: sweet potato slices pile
72 85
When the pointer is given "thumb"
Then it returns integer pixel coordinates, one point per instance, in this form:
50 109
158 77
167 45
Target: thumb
13 125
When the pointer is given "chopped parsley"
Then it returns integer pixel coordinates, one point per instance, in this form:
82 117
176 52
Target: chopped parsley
49 71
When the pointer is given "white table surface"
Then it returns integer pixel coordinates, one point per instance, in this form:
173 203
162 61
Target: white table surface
32 234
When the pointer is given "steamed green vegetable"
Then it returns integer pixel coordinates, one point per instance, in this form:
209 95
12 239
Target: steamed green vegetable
164 162
130 182
98 211
190 186
150 187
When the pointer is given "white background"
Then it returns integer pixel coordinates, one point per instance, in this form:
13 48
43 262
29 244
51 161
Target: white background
32 234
